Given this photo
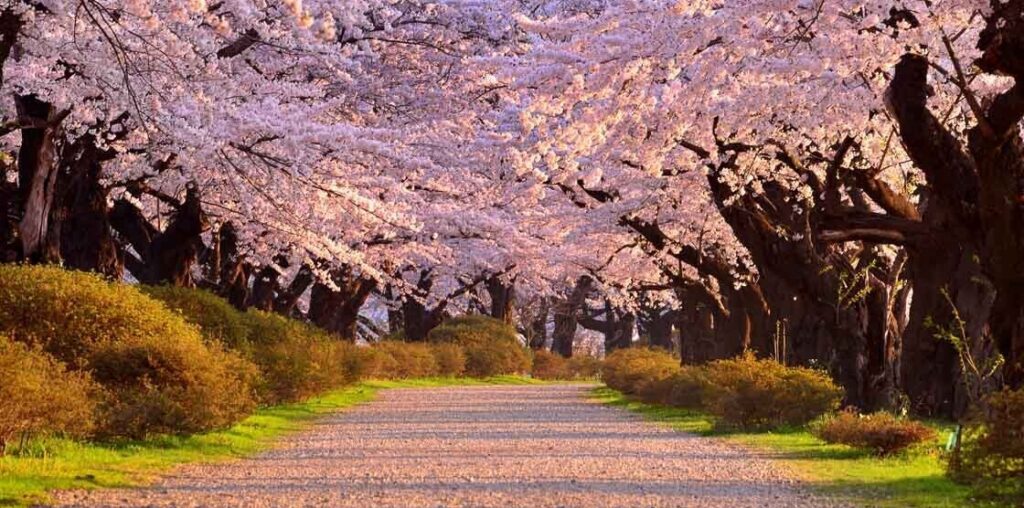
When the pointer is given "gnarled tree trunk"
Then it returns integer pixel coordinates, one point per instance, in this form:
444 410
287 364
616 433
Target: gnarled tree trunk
566 314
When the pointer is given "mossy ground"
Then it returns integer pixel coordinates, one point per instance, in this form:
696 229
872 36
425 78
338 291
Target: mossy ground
28 474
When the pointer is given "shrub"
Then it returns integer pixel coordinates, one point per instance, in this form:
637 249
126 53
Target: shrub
297 360
748 393
490 345
158 375
882 433
683 388
992 448
218 319
631 370
450 359
496 358
40 396
374 363
548 365
584 367
408 359
473 328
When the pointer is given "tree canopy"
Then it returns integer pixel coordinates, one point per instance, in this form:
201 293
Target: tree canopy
828 183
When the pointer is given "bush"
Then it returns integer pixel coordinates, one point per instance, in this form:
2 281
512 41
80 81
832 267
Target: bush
451 361
548 365
407 359
632 370
218 319
991 456
157 373
374 363
882 433
584 367
40 396
684 388
490 345
297 360
748 393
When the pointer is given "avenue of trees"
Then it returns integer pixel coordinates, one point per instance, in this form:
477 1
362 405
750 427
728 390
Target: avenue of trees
830 184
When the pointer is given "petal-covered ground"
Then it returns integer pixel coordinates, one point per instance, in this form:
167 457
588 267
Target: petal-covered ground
534 446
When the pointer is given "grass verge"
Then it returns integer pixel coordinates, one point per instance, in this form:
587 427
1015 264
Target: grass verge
915 479
50 464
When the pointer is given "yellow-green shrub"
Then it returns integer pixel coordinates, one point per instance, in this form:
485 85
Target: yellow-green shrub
749 393
408 359
992 448
683 388
374 363
490 345
297 360
217 319
882 433
451 360
548 365
631 370
584 367
39 396
472 328
157 373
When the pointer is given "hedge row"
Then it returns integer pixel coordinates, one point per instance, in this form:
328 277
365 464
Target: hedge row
548 365
85 357
742 392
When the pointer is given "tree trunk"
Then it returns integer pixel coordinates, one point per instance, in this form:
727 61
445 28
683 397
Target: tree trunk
174 252
287 301
657 325
566 315
503 296
337 310
233 272
537 332
82 214
37 177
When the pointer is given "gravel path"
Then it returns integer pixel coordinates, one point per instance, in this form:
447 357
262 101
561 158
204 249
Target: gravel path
534 446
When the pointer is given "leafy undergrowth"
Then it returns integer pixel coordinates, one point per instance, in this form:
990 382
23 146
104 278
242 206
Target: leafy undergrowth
910 479
50 464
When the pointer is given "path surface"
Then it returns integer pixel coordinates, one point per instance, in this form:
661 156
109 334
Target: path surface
501 446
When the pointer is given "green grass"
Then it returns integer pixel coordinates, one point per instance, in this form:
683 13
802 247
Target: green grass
915 479
48 464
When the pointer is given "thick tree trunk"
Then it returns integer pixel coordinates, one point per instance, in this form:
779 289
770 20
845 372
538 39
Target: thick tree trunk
657 325
537 333
337 310
503 298
978 191
617 327
418 320
10 26
566 313
82 215
801 283
287 301
267 284
174 252
37 177
232 272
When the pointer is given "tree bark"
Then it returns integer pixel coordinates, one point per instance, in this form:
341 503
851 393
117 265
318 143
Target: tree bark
37 177
503 297
81 214
566 313
337 310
